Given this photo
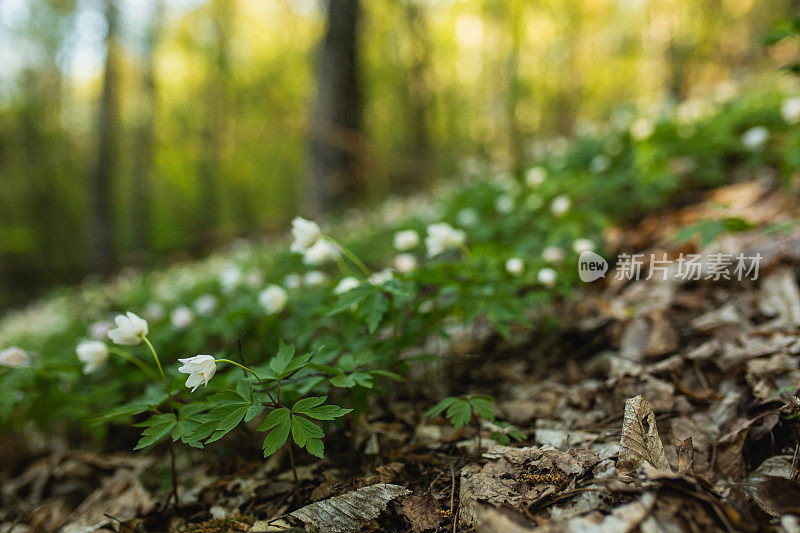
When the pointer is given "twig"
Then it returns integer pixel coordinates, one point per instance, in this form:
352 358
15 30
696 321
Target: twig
453 513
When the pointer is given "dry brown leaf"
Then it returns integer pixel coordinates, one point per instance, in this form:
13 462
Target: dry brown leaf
351 511
685 452
640 441
423 512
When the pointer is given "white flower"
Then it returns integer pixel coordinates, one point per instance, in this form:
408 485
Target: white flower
406 240
92 354
547 276
99 329
467 217
205 304
130 330
405 262
582 245
230 278
553 254
255 278
181 317
305 234
154 311
315 278
515 266
642 129
599 163
560 205
293 281
320 252
790 110
535 176
346 284
755 137
200 368
504 204
14 357
442 237
381 277
273 299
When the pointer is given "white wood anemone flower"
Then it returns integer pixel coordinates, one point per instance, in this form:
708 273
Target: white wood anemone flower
92 354
305 234
130 331
273 299
201 369
442 237
406 240
14 357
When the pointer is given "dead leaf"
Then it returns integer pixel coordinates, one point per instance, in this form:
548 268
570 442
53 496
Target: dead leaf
685 452
640 441
423 512
351 511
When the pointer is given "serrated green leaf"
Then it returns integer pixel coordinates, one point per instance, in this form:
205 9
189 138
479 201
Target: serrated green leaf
343 381
373 308
483 407
245 389
439 407
282 359
303 429
459 413
315 447
278 416
277 437
327 412
303 405
254 410
156 428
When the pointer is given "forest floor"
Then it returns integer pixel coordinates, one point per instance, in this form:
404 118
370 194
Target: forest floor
653 406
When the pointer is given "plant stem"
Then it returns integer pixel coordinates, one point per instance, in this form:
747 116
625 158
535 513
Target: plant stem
136 361
263 385
294 473
171 408
158 362
174 471
352 257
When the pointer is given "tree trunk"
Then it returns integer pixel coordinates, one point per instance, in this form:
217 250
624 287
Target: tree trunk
213 129
335 130
101 225
145 142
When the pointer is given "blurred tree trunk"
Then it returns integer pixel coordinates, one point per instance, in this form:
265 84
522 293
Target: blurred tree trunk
101 224
515 16
419 95
143 162
214 120
335 131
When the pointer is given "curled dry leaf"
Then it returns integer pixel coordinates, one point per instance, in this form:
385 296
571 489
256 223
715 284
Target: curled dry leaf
351 511
685 451
640 441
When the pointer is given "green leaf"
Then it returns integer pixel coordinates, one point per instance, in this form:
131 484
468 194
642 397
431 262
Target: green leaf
459 413
387 374
156 428
303 429
276 417
439 407
282 359
245 389
373 308
302 406
254 410
483 407
315 447
327 412
277 437
343 381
